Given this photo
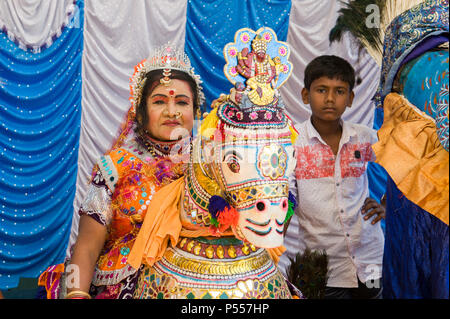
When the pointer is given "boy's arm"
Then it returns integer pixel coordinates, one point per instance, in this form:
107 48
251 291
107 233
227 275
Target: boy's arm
371 207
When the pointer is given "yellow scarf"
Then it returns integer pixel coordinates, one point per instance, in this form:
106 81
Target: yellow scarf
410 151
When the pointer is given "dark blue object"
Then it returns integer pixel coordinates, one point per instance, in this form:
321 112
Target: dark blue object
415 262
217 204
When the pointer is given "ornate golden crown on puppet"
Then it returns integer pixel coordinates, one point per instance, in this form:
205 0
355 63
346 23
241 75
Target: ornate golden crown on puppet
259 44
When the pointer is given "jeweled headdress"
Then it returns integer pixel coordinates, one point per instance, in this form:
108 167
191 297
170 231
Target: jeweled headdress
259 43
166 58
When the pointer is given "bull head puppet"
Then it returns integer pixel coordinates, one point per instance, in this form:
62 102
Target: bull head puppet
225 217
243 157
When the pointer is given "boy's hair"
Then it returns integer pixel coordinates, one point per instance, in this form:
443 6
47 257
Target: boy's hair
332 67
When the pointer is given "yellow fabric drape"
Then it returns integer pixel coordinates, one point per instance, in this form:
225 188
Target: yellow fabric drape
162 224
410 151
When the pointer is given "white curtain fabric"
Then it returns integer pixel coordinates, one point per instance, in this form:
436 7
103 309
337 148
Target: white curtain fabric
118 34
34 23
309 25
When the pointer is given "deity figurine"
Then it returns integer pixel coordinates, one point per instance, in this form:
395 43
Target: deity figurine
249 61
258 67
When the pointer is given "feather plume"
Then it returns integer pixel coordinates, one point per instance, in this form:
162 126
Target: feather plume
308 272
354 17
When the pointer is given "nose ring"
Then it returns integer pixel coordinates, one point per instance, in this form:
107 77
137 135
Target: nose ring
167 113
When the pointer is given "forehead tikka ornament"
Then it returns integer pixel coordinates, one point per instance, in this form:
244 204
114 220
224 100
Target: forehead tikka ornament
166 81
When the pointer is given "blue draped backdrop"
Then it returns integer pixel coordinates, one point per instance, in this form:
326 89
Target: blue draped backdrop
40 111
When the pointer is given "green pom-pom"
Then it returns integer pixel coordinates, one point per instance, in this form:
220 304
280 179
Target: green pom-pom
214 222
290 212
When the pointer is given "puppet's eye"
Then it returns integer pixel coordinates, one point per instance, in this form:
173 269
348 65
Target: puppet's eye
233 163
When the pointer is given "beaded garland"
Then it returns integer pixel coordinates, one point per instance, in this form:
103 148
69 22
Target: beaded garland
261 117
163 149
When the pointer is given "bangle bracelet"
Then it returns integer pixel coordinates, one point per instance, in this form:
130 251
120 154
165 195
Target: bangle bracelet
78 293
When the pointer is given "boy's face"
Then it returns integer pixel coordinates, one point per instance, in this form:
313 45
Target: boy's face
328 98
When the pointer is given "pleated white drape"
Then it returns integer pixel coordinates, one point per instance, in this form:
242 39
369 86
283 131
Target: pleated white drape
35 23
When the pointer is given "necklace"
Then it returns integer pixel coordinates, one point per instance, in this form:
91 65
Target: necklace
161 148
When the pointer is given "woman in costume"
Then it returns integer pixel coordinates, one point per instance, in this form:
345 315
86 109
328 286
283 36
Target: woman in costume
149 153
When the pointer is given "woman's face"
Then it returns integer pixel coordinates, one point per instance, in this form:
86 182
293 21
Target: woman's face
170 111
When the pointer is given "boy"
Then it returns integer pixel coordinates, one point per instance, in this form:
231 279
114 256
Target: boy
332 184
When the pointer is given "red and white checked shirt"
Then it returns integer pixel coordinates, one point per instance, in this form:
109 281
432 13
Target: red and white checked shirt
331 192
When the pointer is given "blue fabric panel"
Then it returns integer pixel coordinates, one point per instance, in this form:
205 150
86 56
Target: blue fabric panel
211 24
415 262
425 81
376 173
40 112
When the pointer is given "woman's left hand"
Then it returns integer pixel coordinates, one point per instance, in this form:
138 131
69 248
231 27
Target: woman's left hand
370 208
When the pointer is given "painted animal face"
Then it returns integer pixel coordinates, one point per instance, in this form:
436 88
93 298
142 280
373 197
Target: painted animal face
254 174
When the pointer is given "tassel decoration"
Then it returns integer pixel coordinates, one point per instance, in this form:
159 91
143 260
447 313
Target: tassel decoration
223 215
292 205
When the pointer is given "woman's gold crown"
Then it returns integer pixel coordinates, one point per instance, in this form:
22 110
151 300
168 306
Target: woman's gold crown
165 57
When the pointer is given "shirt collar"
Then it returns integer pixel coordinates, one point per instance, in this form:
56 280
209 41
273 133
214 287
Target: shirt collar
348 132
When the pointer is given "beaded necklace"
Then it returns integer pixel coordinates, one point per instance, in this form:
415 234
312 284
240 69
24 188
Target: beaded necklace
162 148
